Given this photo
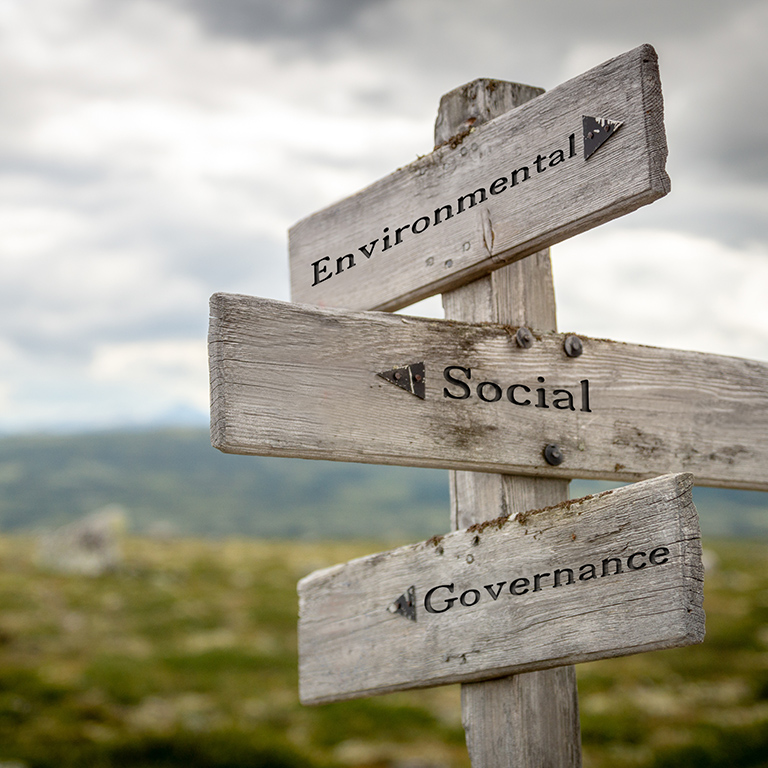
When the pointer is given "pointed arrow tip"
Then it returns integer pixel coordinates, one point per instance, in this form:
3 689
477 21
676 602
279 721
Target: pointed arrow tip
597 130
405 605
410 377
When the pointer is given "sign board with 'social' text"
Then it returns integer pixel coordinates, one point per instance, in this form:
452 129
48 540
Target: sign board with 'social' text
585 152
293 380
603 576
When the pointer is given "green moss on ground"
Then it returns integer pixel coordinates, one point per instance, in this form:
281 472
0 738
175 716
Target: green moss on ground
186 656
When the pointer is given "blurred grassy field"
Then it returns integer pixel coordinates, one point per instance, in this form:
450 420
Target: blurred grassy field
186 656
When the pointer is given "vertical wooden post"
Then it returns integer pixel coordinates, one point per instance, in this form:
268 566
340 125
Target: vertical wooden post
529 720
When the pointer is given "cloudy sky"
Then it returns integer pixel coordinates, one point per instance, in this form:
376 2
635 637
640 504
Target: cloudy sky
153 152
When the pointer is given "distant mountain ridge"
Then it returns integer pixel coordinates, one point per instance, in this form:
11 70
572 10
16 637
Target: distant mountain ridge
172 480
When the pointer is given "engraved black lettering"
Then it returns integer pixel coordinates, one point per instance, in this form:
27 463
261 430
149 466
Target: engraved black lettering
657 554
489 589
563 403
466 391
511 394
495 389
537 581
542 403
441 599
472 197
368 251
556 157
322 272
498 186
318 270
585 396
606 566
350 257
590 573
449 601
464 597
449 215
524 171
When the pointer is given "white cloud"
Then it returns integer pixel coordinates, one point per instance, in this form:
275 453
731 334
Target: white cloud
148 162
180 368
665 289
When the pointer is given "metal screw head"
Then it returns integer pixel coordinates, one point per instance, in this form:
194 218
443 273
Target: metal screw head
573 346
553 455
524 338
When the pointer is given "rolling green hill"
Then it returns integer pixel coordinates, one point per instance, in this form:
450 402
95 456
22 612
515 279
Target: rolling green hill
174 481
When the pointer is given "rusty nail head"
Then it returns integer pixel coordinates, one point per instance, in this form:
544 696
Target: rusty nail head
524 338
553 455
573 346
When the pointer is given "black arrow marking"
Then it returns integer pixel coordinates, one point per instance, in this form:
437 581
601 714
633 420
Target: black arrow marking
409 377
597 131
405 605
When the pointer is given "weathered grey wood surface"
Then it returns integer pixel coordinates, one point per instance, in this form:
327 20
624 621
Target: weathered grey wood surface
560 198
531 719
604 576
292 380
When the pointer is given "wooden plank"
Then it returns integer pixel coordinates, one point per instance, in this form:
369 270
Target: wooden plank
604 576
352 255
292 380
530 719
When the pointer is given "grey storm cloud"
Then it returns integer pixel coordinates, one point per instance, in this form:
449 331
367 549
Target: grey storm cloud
263 20
545 24
724 118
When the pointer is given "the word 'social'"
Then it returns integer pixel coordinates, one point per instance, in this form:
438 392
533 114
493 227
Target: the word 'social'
462 386
517 394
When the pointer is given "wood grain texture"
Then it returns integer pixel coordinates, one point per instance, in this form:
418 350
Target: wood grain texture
555 202
477 102
604 576
292 380
531 719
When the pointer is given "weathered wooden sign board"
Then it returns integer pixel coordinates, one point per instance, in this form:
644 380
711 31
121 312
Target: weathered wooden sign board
603 576
585 152
292 380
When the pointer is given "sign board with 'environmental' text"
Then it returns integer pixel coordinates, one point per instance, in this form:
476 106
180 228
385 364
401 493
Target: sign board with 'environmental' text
373 387
603 576
586 152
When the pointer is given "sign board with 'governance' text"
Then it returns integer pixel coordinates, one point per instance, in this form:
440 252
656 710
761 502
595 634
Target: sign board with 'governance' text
603 576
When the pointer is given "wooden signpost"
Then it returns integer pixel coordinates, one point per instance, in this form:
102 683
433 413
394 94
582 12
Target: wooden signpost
493 388
292 380
582 154
605 576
